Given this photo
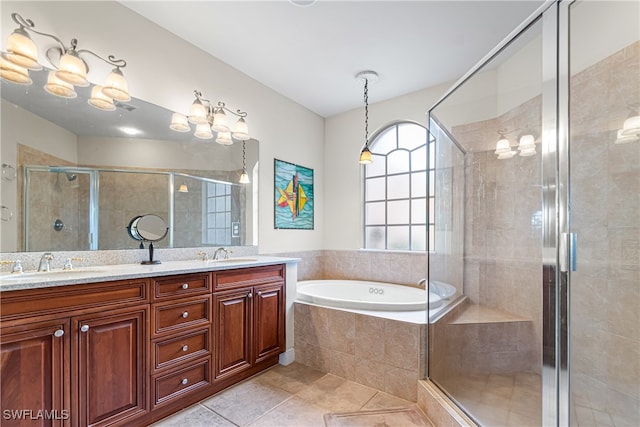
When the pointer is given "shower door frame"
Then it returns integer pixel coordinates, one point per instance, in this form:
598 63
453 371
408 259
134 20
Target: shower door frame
558 245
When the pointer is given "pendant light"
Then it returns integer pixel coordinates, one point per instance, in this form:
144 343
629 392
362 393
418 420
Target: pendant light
367 76
244 176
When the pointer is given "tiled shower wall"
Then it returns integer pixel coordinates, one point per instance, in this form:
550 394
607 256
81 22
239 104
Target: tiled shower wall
605 215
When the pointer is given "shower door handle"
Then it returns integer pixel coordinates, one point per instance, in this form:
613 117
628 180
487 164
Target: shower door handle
568 243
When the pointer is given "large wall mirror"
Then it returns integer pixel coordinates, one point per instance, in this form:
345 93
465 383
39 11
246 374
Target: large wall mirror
82 174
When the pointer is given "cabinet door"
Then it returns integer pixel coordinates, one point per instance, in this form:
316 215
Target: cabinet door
110 366
34 375
268 329
232 331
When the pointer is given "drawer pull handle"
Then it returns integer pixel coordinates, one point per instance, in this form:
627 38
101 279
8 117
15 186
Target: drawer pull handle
250 295
185 314
185 347
84 328
58 333
184 381
185 286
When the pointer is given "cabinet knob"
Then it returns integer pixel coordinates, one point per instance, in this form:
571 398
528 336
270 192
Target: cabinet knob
185 347
84 328
250 295
184 381
185 314
259 293
185 286
58 333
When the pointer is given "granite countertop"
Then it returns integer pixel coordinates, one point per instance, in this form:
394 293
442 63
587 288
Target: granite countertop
104 273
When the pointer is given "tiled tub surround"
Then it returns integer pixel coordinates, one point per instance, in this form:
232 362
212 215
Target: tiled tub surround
385 354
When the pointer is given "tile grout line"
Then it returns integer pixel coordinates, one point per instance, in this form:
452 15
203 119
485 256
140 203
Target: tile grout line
220 415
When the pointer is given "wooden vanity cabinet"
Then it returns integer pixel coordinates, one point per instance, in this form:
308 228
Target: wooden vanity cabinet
34 359
65 351
248 320
130 352
181 344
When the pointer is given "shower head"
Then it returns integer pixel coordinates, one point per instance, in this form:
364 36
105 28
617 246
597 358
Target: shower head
71 176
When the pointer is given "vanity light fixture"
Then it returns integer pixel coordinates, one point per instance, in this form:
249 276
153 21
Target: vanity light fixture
21 55
244 176
630 131
209 117
367 76
526 146
183 188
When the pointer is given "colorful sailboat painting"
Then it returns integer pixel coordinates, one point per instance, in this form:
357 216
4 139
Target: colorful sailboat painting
293 196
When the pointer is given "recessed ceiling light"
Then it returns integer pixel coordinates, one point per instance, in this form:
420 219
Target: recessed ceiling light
303 3
130 131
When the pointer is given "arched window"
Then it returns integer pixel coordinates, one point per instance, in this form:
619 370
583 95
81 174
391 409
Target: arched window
396 197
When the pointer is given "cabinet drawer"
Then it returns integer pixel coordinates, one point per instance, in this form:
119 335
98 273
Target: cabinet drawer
172 316
178 383
242 277
178 286
182 348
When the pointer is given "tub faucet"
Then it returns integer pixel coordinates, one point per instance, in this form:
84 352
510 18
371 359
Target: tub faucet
217 253
45 262
422 283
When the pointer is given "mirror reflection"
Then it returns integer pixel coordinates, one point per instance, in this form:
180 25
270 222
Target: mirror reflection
95 170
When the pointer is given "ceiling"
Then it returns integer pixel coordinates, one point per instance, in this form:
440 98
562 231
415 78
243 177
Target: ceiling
312 53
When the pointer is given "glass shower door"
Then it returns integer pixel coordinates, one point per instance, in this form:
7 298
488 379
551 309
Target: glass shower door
604 155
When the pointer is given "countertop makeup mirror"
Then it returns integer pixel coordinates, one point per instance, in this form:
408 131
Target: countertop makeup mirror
123 161
148 228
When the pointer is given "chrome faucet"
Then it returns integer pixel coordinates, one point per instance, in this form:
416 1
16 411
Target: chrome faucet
45 262
422 283
217 252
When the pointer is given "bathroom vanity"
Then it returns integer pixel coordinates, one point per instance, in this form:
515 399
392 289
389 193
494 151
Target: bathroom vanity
128 347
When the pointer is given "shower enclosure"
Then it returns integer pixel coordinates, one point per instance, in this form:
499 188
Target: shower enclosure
537 220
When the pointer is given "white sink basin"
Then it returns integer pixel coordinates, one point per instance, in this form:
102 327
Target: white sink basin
46 275
233 260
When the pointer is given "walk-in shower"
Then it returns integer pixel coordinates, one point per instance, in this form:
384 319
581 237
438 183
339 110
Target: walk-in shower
538 219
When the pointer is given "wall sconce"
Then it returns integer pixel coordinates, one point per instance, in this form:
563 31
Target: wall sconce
183 188
630 131
526 146
209 117
22 55
244 176
367 76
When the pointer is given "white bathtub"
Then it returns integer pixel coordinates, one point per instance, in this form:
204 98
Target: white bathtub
364 295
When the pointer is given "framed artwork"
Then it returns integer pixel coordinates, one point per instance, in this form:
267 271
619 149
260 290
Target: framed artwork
293 189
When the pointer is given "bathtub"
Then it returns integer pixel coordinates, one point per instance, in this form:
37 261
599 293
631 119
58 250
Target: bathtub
376 296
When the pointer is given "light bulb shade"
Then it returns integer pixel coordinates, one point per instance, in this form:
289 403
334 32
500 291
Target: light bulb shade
527 142
179 123
183 188
506 155
631 126
365 156
58 87
203 131
622 139
99 100
116 86
528 152
14 73
72 69
220 123
22 51
241 130
224 138
197 113
244 178
503 146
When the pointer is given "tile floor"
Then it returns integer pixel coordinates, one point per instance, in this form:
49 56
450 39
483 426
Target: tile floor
293 395
499 399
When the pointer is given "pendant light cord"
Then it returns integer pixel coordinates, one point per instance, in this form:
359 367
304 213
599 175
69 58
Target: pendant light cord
366 112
